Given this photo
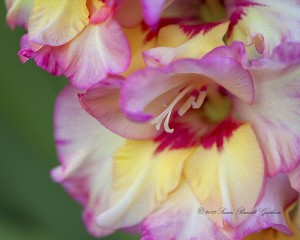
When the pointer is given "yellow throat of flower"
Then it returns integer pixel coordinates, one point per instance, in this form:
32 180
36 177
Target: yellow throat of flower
217 108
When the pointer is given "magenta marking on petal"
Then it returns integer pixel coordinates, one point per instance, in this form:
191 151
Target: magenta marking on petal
77 189
145 233
42 57
25 55
243 3
217 135
162 23
61 142
182 137
47 63
192 30
238 14
185 137
88 218
234 19
285 53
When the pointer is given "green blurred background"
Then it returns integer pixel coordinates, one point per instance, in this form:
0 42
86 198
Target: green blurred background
32 207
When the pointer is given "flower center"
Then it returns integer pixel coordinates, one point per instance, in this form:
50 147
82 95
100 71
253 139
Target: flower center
214 105
218 106
210 10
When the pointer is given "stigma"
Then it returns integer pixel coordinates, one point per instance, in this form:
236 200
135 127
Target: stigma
195 99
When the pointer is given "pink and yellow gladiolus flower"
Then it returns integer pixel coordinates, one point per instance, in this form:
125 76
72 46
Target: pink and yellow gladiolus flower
187 128
204 145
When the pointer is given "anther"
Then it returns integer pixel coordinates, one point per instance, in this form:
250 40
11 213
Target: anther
200 100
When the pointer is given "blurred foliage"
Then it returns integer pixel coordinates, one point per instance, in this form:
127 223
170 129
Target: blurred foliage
32 207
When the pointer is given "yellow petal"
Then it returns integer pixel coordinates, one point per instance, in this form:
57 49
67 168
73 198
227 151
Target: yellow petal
164 38
142 181
183 45
137 39
228 179
195 46
55 22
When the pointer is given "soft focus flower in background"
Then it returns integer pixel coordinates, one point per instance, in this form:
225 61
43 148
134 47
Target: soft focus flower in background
197 137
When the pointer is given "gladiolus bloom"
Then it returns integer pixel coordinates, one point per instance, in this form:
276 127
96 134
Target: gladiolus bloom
182 118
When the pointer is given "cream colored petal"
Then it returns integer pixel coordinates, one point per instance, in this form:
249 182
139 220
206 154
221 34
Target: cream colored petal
55 22
18 12
143 179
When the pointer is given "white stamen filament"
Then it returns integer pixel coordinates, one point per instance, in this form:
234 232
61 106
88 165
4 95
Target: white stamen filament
167 112
200 100
166 123
187 105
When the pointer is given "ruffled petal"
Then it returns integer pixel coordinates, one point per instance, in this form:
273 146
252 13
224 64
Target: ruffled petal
269 211
102 102
43 57
85 150
142 181
97 51
225 180
264 24
180 217
195 41
18 12
236 50
56 22
24 46
275 114
272 234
